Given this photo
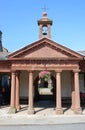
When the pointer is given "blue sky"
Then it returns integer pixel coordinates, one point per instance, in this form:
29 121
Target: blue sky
18 22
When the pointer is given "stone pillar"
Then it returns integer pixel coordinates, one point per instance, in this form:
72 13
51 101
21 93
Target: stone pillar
59 109
77 93
13 89
73 92
30 92
40 32
49 33
17 90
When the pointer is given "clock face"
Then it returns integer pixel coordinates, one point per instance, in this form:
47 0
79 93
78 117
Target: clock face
44 30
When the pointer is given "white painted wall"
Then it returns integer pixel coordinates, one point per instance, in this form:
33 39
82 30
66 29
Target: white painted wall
66 83
24 84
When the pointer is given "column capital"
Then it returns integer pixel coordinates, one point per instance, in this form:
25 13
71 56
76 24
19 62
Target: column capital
58 71
76 70
30 71
13 71
17 73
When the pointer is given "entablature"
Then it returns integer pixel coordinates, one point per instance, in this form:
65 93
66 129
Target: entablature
44 67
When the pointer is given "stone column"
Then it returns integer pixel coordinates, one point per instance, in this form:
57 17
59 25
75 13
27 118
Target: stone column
77 93
73 92
30 92
17 90
13 89
59 109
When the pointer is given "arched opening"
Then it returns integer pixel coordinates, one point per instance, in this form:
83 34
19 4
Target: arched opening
45 31
45 89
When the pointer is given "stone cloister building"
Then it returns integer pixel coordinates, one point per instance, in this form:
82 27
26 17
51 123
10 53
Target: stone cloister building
66 68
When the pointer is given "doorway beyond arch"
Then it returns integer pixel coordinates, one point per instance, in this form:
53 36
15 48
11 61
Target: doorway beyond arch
44 92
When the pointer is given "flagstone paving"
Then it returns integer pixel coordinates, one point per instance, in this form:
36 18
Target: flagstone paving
41 108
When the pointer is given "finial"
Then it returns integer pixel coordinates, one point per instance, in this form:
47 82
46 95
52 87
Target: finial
45 8
44 13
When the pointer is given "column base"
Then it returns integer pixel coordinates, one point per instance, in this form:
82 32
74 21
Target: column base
59 111
31 111
18 108
12 110
72 108
78 111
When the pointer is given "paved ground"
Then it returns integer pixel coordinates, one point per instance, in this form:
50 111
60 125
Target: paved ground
43 115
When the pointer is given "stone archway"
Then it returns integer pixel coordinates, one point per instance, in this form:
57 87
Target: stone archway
46 92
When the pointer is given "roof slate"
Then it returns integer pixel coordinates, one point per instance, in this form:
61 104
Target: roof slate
3 55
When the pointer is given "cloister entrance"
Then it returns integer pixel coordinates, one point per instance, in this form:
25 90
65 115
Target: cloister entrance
44 94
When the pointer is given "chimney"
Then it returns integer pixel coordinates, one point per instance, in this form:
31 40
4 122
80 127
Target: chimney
1 48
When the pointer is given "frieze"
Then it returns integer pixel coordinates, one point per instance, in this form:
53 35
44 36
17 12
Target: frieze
44 67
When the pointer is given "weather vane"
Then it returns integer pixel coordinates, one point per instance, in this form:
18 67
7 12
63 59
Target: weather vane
45 8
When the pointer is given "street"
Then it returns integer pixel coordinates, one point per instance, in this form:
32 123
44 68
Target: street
79 126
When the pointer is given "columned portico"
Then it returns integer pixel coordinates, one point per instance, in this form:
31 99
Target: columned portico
58 93
77 94
30 94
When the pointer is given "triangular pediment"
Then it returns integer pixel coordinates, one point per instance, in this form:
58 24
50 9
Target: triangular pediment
46 49
45 52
